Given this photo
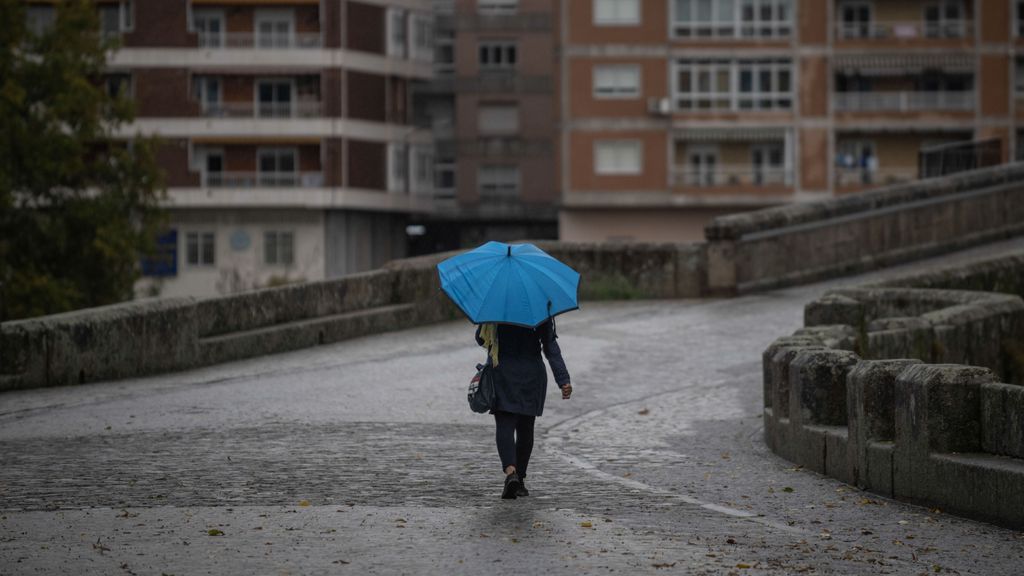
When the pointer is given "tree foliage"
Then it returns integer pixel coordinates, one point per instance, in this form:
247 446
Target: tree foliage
79 201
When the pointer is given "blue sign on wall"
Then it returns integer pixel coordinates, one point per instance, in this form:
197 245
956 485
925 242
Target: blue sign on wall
164 261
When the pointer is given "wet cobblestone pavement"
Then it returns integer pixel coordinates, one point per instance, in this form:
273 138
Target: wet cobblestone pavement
362 458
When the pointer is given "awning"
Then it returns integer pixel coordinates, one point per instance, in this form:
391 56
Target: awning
901 64
730 134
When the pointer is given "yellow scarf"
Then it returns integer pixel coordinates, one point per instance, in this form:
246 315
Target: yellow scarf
489 334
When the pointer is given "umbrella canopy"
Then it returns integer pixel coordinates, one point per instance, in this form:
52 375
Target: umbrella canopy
513 284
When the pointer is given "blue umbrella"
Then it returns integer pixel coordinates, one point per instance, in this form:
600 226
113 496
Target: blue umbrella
513 284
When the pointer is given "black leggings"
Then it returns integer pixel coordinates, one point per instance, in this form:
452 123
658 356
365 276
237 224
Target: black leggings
514 434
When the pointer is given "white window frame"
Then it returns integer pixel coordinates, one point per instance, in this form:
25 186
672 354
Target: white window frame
769 169
397 23
257 104
398 167
422 45
125 16
944 25
716 27
619 18
843 29
600 170
197 237
505 47
757 27
756 96
276 258
423 168
497 6
701 174
713 96
200 91
616 89
277 150
507 186
273 15
207 14
200 163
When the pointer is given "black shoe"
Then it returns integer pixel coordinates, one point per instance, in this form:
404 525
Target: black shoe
522 489
512 486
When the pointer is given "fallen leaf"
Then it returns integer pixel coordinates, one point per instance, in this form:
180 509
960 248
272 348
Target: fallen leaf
586 524
665 565
644 412
303 503
787 489
743 566
340 562
215 532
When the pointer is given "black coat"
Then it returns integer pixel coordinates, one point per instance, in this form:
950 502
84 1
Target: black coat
520 380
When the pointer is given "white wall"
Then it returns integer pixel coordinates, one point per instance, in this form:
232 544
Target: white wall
238 268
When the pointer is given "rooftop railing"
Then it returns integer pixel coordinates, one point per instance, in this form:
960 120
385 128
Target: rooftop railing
264 179
903 101
300 109
731 175
904 30
247 40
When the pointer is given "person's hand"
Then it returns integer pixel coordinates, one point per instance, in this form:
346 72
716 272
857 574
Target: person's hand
566 391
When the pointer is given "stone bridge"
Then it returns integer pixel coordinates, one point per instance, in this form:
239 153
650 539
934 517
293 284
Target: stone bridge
192 449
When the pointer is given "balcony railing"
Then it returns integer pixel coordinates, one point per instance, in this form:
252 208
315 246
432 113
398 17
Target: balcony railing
846 177
263 110
903 30
903 101
731 176
264 179
231 40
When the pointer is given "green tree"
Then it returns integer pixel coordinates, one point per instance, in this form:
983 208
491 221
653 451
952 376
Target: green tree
79 202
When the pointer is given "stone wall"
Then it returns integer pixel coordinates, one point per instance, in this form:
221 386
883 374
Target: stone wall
163 335
807 241
909 392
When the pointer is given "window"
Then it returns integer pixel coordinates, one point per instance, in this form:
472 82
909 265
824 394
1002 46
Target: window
618 81
274 28
207 91
768 161
497 6
765 85
855 20
200 248
1019 77
704 18
444 52
211 165
396 33
1020 20
209 25
617 157
279 248
765 18
39 19
702 161
704 85
497 55
398 167
116 18
616 12
118 85
274 97
944 19
277 166
424 161
422 37
498 181
498 119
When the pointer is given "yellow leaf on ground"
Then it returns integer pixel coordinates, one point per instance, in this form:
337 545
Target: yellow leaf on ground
586 525
303 502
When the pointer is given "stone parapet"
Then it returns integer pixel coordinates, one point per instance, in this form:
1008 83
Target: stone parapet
912 393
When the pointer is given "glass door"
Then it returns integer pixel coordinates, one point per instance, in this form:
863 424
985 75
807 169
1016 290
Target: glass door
274 98
275 29
767 161
855 18
703 165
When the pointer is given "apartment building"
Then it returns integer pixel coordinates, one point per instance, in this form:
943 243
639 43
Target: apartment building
493 112
289 144
676 111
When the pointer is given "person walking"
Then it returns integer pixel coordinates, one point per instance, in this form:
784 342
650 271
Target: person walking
514 353
513 292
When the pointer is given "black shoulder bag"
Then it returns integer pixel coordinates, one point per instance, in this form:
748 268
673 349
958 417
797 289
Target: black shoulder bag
481 389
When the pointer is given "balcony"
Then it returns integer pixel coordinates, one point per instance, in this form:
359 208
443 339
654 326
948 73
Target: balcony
263 110
731 175
858 177
904 30
946 101
260 41
263 179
